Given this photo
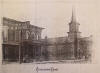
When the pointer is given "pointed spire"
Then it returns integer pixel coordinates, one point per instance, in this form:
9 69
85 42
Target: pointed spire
73 15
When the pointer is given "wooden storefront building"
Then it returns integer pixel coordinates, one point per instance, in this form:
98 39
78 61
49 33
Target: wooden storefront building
20 40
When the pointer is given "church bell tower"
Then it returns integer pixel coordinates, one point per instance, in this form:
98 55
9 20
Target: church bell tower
73 28
74 34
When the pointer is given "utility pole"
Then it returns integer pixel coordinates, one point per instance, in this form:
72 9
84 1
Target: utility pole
20 45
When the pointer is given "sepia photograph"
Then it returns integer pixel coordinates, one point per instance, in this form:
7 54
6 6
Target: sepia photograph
22 42
49 36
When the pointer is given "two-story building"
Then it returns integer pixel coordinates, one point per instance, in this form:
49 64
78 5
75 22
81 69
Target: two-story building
15 35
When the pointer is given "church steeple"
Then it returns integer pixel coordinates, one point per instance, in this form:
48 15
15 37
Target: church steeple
73 26
73 19
74 33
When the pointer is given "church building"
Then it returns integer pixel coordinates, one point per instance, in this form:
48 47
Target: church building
70 47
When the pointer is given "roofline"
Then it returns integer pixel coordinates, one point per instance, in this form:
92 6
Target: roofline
21 22
10 19
37 26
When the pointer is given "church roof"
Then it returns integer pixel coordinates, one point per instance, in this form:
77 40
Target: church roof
56 40
89 39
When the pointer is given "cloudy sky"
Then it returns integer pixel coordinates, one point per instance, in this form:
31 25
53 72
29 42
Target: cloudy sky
54 15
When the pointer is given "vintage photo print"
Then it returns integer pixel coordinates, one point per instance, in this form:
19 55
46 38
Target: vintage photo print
49 36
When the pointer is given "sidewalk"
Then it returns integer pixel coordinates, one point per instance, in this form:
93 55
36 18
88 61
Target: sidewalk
52 62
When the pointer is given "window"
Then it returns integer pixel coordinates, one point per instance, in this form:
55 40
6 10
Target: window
17 35
37 37
27 34
32 35
11 35
5 33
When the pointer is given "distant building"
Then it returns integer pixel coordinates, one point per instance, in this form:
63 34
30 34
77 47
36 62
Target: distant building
73 46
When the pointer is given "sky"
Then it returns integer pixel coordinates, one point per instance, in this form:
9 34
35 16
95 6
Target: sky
54 15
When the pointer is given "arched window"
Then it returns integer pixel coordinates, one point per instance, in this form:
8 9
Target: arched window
27 34
5 33
32 35
37 37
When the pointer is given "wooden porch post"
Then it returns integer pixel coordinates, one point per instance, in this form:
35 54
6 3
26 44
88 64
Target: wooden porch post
19 53
20 45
